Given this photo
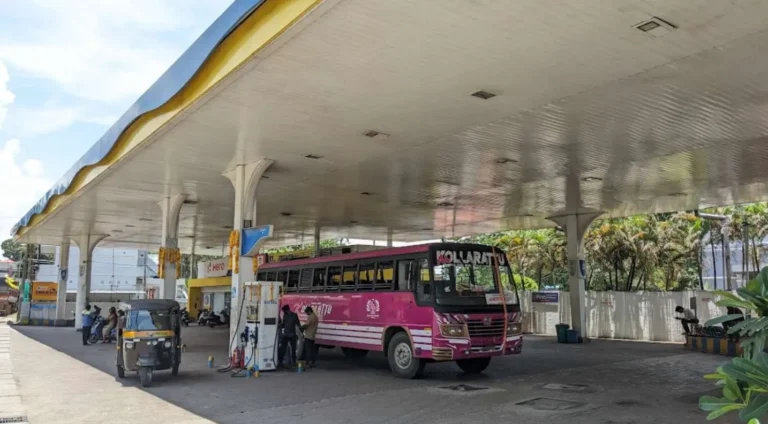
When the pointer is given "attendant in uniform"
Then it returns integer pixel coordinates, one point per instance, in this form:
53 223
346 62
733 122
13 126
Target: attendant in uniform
87 322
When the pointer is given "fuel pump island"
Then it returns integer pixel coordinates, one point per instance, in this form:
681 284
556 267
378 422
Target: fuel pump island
259 339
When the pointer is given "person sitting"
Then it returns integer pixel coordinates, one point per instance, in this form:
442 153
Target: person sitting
688 317
111 323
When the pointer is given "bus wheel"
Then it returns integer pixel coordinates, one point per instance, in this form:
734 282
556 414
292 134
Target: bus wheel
474 365
401 360
353 353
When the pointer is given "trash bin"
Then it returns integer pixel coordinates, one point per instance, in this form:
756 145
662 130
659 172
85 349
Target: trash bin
573 336
562 332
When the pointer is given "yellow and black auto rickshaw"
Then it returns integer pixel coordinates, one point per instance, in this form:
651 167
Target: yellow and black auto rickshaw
150 339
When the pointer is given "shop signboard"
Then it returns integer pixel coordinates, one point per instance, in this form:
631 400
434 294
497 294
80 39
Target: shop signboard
545 297
213 268
44 291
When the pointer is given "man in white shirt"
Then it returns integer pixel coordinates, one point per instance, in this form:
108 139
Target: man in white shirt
688 317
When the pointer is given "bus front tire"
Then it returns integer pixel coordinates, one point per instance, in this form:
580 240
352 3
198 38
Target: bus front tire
474 365
353 353
401 359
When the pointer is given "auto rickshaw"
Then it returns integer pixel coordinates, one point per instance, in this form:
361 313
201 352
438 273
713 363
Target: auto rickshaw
150 339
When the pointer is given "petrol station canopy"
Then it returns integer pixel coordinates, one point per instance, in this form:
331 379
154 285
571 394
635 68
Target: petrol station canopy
433 118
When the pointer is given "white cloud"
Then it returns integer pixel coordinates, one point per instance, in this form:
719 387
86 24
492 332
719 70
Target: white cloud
50 117
106 51
6 96
20 187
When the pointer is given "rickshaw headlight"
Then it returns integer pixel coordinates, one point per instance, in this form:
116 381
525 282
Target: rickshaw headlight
129 345
167 345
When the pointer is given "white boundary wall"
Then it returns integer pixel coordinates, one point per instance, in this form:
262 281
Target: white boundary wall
648 316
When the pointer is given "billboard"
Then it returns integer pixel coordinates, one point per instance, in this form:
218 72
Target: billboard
44 291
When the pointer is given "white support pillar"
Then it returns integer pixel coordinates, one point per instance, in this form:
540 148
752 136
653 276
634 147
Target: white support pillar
389 238
317 241
61 293
86 244
171 207
576 226
245 180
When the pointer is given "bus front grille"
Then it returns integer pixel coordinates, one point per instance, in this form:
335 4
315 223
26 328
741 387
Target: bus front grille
482 328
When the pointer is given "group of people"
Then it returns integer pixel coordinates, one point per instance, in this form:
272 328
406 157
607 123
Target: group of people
688 317
115 319
291 327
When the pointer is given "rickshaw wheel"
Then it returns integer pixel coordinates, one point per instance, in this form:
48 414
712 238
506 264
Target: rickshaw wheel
120 372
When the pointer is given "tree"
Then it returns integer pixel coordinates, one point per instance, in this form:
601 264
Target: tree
12 250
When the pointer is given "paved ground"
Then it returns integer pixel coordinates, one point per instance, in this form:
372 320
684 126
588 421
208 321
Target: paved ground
624 382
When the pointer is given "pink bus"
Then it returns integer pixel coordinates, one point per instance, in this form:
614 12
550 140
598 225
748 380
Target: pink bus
417 304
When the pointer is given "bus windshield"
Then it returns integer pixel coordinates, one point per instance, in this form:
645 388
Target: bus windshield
468 278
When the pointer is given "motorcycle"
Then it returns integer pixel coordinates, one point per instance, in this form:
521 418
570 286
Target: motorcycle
185 317
221 319
203 316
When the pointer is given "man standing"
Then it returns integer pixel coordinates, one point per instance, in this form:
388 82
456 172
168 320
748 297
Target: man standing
87 322
310 332
689 317
289 325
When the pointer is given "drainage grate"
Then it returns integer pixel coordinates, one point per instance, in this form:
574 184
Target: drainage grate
16 419
464 388
565 387
549 404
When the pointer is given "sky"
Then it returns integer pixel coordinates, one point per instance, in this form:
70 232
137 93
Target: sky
68 71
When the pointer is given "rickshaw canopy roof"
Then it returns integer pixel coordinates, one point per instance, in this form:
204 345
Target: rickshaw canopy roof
150 304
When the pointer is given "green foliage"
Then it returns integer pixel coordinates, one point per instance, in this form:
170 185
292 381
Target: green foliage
525 283
12 250
744 380
649 252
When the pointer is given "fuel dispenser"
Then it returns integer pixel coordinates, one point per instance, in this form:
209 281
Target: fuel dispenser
260 336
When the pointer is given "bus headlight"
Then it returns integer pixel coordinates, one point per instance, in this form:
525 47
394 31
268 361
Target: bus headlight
514 328
129 345
167 345
453 330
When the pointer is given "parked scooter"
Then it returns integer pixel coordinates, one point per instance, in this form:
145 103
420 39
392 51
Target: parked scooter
202 317
221 319
96 329
185 317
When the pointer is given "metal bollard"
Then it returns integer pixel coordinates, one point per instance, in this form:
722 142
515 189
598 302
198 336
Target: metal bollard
210 362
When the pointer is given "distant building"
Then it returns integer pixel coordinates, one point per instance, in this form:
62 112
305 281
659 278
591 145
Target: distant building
113 270
7 267
713 271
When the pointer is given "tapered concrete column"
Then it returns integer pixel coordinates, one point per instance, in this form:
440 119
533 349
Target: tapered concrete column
61 293
86 244
576 226
245 180
171 207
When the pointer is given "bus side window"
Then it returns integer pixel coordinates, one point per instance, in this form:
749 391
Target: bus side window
270 276
349 278
366 277
405 274
293 280
260 276
424 288
334 278
282 276
318 283
305 283
384 276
